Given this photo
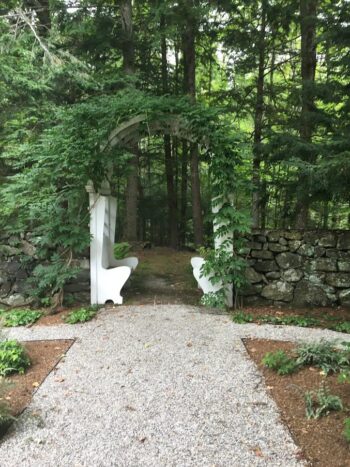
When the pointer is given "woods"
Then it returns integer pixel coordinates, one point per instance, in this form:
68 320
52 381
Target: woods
279 75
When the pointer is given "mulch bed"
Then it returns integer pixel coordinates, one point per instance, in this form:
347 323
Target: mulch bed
321 441
44 356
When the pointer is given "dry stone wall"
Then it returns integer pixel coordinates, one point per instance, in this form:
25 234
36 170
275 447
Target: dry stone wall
298 268
286 267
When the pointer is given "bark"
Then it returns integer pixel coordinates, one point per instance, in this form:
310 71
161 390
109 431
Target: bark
258 122
131 194
184 182
308 12
189 51
42 11
173 233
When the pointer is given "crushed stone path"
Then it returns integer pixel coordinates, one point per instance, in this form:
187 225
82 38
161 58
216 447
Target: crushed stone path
153 386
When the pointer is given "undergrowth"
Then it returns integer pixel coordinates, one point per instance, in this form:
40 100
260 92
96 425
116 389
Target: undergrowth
80 316
13 358
18 317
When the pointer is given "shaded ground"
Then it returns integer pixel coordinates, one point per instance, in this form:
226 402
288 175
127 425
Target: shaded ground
163 276
44 356
321 440
150 386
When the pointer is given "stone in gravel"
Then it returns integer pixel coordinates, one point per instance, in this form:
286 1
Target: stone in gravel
344 266
306 250
294 245
254 245
282 291
340 279
274 235
253 276
262 254
344 241
307 294
324 264
289 260
292 275
328 240
273 275
277 247
265 266
344 297
319 251
293 235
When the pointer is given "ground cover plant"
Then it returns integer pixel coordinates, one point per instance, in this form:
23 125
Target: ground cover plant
20 317
13 358
324 437
81 315
277 317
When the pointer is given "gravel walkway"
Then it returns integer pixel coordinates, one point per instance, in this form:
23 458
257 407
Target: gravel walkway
154 386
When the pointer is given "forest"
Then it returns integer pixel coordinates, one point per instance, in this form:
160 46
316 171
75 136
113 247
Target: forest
273 74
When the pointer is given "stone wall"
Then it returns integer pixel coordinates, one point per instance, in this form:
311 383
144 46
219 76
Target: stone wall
17 261
298 268
286 267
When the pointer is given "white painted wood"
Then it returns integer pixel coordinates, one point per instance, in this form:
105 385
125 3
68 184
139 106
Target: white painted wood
107 275
197 263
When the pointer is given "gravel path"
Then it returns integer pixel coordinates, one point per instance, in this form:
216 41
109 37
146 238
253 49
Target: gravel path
154 386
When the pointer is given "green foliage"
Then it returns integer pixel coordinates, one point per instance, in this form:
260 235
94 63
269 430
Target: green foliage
80 316
13 358
121 250
346 431
344 326
5 416
240 317
20 317
214 299
323 355
280 362
321 402
302 321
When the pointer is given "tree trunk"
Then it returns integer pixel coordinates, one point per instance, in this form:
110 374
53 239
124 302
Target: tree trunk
42 12
258 122
184 181
131 195
308 19
189 52
169 165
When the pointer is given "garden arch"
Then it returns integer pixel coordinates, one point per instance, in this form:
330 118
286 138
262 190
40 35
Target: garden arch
126 135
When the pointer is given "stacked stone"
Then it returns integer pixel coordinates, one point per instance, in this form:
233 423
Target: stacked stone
17 260
300 268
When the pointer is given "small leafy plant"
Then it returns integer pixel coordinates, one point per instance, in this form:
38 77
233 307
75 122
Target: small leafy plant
280 362
21 317
121 250
320 403
346 431
214 299
342 327
5 416
240 317
323 355
80 316
13 358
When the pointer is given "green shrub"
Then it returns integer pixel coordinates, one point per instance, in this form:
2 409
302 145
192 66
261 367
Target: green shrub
5 416
241 317
121 250
320 403
323 355
214 299
13 358
342 327
20 317
280 362
289 320
80 316
347 429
